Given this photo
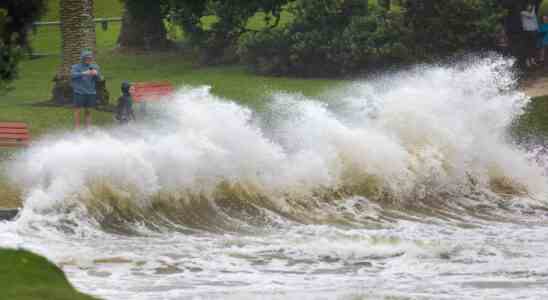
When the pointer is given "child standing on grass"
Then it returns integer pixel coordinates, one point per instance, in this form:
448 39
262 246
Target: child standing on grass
124 110
543 41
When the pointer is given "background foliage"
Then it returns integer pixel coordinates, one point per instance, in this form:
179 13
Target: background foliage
16 16
328 38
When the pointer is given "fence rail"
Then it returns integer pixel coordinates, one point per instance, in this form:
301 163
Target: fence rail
103 21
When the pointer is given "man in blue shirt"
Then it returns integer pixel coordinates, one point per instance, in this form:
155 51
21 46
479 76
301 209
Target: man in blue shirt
84 78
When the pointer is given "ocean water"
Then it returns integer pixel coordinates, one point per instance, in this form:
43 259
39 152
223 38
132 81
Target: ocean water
404 186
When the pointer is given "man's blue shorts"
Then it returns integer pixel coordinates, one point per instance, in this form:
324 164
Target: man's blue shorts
85 100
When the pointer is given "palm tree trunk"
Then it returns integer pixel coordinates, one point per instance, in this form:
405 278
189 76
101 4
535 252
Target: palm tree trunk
77 32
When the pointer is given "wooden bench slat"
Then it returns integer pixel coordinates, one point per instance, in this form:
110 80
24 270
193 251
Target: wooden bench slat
151 91
13 143
13 130
13 125
148 83
167 92
14 136
159 92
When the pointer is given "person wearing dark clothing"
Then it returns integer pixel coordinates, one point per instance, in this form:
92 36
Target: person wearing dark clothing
543 39
124 110
514 30
84 77
519 40
529 21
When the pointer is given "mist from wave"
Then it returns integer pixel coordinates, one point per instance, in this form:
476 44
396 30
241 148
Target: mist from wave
432 134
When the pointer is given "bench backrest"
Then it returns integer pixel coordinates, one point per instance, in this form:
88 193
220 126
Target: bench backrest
150 91
14 134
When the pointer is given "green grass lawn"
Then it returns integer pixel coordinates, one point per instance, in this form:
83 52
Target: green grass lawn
533 123
47 39
26 276
231 82
102 9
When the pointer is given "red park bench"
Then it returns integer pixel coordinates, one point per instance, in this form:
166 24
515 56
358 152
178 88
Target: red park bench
151 91
14 134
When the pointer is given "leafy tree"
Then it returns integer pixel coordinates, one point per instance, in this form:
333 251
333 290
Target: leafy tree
441 28
16 16
327 38
143 25
189 14
19 17
217 43
339 37
9 55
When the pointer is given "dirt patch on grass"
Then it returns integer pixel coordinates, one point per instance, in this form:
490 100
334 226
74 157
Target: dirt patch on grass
536 87
535 83
9 197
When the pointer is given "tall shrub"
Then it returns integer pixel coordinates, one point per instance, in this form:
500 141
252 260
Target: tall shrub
340 37
327 38
9 55
217 41
16 17
441 28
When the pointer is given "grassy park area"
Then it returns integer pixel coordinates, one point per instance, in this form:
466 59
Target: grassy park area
24 102
33 88
26 276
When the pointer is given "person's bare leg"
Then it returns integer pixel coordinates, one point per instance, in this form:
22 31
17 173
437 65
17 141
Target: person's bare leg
88 117
77 118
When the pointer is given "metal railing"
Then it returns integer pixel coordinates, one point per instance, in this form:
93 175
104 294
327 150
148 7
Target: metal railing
103 21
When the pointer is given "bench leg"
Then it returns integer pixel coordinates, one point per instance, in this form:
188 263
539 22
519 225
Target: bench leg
143 107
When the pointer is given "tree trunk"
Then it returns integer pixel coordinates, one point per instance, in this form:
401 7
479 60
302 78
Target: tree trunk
143 26
355 7
78 33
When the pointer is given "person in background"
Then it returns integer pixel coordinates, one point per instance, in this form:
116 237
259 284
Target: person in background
529 22
124 110
502 42
543 41
514 30
84 78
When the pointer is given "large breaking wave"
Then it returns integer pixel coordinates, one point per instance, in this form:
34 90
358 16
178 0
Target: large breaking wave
432 140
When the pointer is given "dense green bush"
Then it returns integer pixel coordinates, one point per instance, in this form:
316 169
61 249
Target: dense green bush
441 28
9 55
372 40
217 41
327 38
267 51
342 37
15 18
